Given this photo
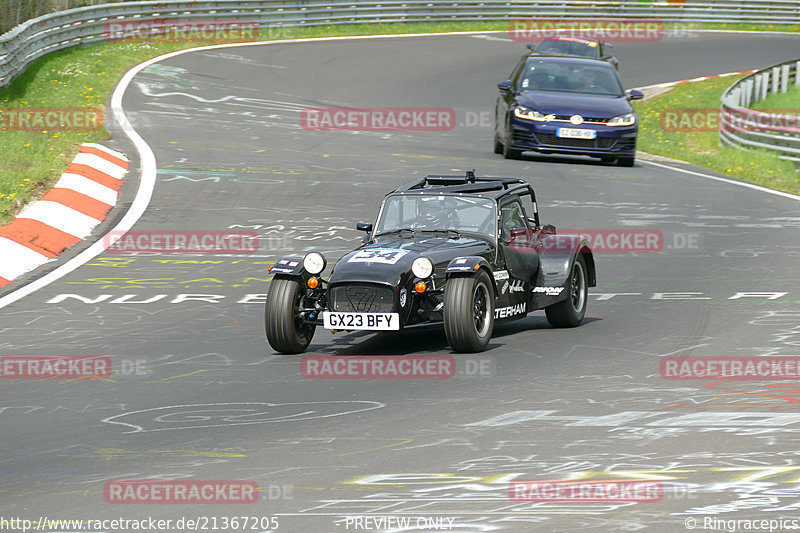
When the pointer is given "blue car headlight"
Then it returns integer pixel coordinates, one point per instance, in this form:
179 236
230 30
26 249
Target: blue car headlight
628 119
527 113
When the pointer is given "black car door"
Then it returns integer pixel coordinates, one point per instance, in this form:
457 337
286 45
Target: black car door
519 244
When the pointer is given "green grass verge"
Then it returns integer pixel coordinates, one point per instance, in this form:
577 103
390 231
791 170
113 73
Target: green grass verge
788 102
83 77
661 114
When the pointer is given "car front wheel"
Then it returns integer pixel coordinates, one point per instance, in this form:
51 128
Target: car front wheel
469 312
286 333
510 153
570 312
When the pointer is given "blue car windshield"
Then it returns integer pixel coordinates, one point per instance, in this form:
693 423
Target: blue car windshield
437 212
570 77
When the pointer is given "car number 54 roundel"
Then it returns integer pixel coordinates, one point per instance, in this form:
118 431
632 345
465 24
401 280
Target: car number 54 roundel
378 255
371 321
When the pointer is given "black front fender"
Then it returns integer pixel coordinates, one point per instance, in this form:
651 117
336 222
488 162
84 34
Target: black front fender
470 265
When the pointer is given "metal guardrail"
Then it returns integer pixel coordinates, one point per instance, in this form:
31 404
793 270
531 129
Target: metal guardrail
743 127
37 37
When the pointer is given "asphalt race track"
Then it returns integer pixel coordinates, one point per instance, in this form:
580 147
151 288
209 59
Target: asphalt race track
197 394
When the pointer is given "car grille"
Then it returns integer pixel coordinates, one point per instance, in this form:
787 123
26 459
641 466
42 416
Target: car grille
362 298
600 142
566 118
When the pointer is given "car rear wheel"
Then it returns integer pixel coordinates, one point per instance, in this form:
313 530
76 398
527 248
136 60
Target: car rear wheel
570 312
625 161
285 332
469 312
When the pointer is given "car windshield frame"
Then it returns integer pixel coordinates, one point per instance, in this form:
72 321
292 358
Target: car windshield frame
431 210
570 77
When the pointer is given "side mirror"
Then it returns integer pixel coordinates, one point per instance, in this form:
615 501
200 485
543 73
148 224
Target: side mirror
504 86
531 46
364 226
549 228
634 94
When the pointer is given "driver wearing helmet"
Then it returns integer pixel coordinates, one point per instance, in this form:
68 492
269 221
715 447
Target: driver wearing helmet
433 214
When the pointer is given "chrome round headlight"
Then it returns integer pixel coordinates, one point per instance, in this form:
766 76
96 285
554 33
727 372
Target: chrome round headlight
314 263
422 267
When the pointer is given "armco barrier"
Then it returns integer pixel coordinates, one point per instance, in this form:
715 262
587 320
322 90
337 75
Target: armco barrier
743 127
63 29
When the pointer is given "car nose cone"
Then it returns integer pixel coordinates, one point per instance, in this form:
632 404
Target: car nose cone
576 119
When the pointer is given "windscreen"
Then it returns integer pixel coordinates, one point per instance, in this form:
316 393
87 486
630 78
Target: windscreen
570 47
437 212
570 77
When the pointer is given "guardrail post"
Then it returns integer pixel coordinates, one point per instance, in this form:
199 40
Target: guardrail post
748 92
784 78
797 73
757 88
776 78
764 85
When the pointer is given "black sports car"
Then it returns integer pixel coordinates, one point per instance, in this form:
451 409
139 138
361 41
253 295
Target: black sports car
452 250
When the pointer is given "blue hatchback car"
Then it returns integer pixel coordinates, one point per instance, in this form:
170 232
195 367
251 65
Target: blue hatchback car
561 105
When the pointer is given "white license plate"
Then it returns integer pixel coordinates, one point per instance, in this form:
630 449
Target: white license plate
576 133
372 321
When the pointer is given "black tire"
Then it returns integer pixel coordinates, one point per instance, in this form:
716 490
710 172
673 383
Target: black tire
469 312
498 146
510 153
625 161
570 312
284 332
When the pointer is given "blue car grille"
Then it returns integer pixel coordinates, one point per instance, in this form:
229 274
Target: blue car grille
362 298
552 140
